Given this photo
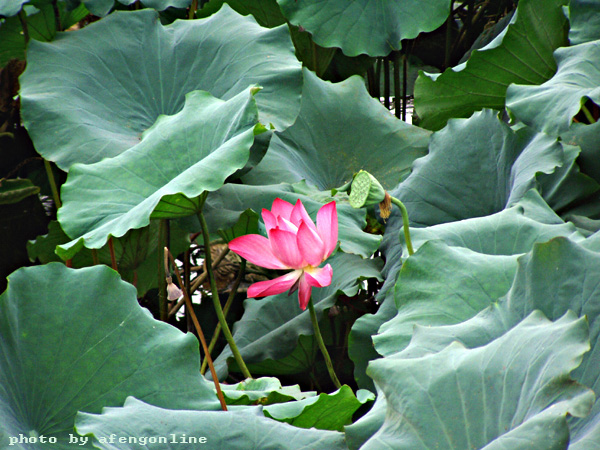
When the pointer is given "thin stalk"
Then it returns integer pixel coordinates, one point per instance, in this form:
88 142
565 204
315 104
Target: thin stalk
217 303
588 114
217 332
23 19
397 93
319 337
404 212
193 8
52 182
187 275
404 85
371 80
386 83
95 260
56 15
113 258
200 335
163 305
199 280
377 84
314 57
448 49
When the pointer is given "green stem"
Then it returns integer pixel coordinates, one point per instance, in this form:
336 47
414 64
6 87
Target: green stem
192 11
23 19
216 302
328 363
397 93
163 305
404 212
52 182
217 332
588 114
386 83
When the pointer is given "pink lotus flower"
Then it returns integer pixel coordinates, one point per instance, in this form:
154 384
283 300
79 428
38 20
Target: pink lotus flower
294 243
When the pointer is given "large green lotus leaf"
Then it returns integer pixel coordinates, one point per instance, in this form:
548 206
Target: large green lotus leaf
515 392
10 8
588 138
521 54
180 158
476 167
270 327
136 253
511 231
232 430
302 359
556 277
324 412
41 25
266 12
364 26
551 106
262 391
340 129
224 207
102 7
77 340
130 69
530 221
584 17
443 285
567 187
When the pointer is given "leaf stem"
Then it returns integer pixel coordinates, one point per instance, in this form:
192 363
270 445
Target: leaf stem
234 288
193 8
217 302
163 306
200 334
52 182
113 258
319 337
588 114
23 19
405 223
199 280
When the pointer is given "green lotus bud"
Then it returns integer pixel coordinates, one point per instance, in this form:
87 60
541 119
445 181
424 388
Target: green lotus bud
366 190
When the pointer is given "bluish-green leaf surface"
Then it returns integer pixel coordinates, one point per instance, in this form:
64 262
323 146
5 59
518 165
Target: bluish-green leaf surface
179 158
475 167
234 430
514 392
551 106
340 129
102 7
584 16
93 93
365 26
556 277
77 340
521 54
11 7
